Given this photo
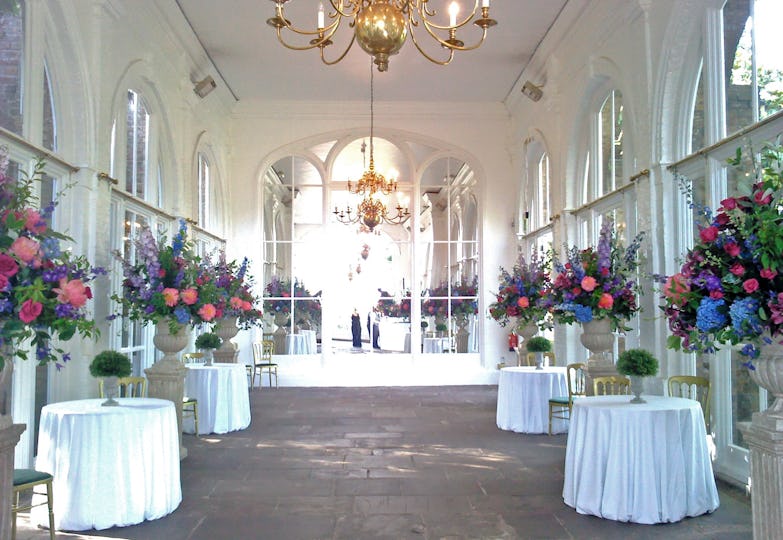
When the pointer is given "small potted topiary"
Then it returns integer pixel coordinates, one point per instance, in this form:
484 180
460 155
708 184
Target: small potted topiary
110 365
539 345
441 328
637 364
208 342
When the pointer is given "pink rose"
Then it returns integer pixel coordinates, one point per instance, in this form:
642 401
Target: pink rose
716 294
246 306
762 197
170 296
708 234
3 282
34 222
8 266
30 310
25 248
189 296
768 273
235 302
751 285
207 312
675 288
523 302
606 301
737 269
732 249
589 283
71 292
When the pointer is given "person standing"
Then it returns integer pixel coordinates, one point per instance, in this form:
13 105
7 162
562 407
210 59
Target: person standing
376 329
356 329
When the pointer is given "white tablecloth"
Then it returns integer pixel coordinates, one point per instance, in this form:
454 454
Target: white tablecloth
395 335
646 463
223 401
523 399
112 466
302 343
436 345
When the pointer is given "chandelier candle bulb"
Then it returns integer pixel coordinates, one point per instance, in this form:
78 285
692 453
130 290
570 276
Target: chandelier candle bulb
320 15
453 11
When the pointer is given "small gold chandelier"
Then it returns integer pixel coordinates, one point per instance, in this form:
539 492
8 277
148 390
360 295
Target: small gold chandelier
381 27
371 211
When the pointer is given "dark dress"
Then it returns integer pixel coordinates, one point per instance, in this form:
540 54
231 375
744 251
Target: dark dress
356 330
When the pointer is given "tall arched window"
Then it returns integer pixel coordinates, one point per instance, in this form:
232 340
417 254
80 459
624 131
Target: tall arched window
12 39
137 127
204 191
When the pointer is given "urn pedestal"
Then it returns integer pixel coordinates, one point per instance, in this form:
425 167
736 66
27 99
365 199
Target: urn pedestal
228 351
463 334
525 331
281 321
167 376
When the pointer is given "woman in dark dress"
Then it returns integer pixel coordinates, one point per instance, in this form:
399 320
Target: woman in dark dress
356 329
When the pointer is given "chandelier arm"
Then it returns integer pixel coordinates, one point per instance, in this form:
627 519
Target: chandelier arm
353 8
425 15
430 58
333 62
323 40
450 43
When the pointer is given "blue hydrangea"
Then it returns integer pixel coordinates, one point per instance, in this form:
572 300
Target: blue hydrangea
709 316
744 316
583 314
182 315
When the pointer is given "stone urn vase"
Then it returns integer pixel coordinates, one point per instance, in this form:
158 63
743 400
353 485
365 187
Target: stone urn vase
765 441
525 331
9 436
462 334
637 387
110 391
281 321
597 337
226 328
167 376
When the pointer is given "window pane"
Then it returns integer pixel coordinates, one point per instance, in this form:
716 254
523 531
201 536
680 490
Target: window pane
697 127
203 190
11 45
49 126
611 118
543 191
137 133
769 64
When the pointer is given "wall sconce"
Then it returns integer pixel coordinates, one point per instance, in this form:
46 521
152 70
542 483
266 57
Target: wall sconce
205 86
532 91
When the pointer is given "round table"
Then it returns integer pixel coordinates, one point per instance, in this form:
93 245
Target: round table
301 343
523 399
646 463
222 394
112 466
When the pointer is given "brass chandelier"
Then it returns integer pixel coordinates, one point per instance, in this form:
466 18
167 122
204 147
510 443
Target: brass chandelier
371 211
381 27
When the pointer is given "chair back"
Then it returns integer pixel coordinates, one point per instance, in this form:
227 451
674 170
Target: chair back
549 356
575 377
127 387
193 358
692 387
611 385
262 351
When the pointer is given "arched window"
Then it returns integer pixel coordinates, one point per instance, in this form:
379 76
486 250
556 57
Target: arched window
137 131
12 39
204 191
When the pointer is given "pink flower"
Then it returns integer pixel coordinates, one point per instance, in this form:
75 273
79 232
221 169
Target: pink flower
235 302
708 234
246 306
8 266
523 302
762 197
751 285
25 248
732 249
189 296
675 288
768 273
737 269
589 283
34 222
716 294
606 301
30 310
71 292
3 282
207 312
171 296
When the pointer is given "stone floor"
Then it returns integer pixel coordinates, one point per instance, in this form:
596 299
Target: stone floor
387 463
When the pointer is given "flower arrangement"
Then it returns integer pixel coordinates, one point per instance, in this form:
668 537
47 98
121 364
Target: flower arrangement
110 364
598 283
234 287
436 305
388 307
467 304
730 286
43 288
166 282
208 340
525 293
279 293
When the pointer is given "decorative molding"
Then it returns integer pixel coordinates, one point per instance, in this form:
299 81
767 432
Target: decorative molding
643 172
105 177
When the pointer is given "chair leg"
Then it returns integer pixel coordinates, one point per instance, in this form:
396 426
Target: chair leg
550 418
50 506
195 417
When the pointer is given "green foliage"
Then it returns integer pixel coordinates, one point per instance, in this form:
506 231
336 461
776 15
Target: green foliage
424 324
441 327
637 362
539 344
110 364
208 341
